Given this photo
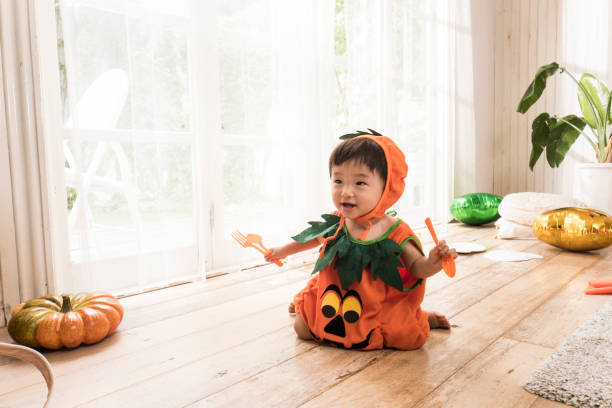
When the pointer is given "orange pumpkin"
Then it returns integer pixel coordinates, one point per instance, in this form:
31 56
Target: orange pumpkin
53 322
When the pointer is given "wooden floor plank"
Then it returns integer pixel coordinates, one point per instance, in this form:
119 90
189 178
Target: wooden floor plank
180 306
295 381
209 375
173 364
491 379
228 341
171 335
158 305
483 279
469 263
409 377
556 319
165 357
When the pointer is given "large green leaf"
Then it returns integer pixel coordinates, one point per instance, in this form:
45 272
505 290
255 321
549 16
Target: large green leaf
540 129
338 244
350 266
598 94
318 228
609 107
385 262
371 132
382 257
387 269
537 86
562 136
536 152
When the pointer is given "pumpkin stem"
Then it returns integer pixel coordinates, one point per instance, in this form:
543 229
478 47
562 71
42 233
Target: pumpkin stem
66 304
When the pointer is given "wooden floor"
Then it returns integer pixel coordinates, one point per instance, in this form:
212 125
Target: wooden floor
228 341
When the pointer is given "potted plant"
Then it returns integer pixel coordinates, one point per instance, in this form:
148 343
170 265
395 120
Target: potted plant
557 134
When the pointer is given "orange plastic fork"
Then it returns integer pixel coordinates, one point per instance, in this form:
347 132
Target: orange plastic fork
448 263
257 240
240 238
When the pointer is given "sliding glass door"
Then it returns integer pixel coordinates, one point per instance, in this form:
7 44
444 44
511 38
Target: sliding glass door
128 141
181 122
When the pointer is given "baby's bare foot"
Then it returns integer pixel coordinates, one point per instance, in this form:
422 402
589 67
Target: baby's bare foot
291 308
437 321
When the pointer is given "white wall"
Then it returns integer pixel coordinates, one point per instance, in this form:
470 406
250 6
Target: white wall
529 34
474 159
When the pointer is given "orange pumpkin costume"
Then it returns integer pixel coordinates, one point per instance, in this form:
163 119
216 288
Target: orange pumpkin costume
363 297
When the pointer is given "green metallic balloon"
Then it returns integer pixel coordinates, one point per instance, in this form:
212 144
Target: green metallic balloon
476 208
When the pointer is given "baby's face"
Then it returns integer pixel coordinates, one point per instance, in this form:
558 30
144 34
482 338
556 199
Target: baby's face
355 189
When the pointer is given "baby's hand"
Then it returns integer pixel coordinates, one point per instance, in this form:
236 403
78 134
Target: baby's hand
275 253
440 251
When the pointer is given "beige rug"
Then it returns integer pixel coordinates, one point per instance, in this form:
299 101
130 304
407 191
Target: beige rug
579 371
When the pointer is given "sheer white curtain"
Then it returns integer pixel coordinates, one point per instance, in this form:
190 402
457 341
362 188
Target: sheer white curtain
127 141
400 80
162 163
277 108
147 185
24 244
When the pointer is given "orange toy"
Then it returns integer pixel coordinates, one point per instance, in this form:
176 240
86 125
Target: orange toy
599 287
448 263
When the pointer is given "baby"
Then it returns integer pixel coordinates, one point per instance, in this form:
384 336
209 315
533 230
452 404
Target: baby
371 269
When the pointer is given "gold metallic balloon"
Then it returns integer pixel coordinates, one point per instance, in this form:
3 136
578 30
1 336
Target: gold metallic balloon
576 229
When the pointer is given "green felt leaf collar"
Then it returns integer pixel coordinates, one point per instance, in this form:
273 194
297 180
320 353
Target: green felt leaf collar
381 256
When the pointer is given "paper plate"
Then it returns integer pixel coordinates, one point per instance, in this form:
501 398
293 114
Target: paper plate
510 256
467 247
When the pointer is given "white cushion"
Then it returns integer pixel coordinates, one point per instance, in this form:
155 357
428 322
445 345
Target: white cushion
507 229
522 208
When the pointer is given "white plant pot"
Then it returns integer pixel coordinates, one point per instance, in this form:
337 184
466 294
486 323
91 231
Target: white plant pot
593 185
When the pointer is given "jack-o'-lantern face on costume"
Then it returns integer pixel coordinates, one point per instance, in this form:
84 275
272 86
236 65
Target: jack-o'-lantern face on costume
343 312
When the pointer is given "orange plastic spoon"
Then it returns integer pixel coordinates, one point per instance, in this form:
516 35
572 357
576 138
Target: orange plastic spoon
448 263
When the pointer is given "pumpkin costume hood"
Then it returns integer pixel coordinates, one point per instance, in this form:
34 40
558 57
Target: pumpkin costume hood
397 170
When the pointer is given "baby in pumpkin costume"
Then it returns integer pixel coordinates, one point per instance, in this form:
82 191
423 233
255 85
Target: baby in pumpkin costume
371 269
